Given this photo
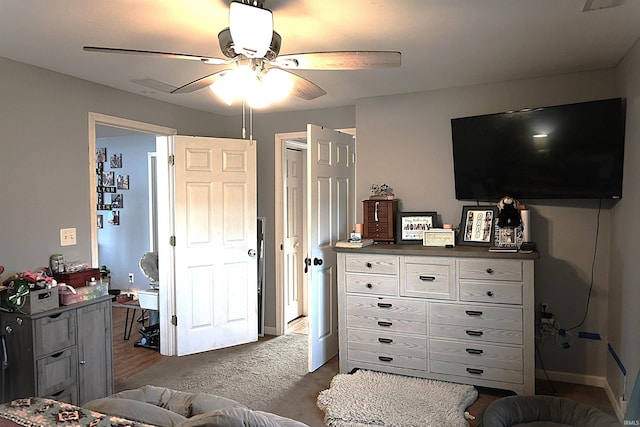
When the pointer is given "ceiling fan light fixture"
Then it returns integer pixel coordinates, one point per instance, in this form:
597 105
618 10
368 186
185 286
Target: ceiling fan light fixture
238 83
251 29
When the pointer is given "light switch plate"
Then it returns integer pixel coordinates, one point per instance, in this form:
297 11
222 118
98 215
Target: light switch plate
67 236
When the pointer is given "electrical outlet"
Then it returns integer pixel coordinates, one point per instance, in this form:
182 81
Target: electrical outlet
67 236
130 277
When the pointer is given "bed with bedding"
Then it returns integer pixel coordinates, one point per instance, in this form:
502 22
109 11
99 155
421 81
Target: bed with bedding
148 406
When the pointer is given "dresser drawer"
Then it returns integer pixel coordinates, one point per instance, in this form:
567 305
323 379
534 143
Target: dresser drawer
67 395
494 292
56 372
476 316
388 343
371 263
428 278
372 284
491 269
54 333
475 333
386 314
476 371
476 354
387 349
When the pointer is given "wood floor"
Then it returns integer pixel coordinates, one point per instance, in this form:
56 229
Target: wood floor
128 359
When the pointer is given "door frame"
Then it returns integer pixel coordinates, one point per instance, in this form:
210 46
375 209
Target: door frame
164 146
281 141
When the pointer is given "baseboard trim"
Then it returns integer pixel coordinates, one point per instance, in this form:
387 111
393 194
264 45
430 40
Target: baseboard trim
268 330
590 380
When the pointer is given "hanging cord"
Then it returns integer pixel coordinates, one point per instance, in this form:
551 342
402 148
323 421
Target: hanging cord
593 263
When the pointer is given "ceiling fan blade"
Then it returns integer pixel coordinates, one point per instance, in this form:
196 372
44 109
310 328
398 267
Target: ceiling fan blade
206 59
340 60
303 88
200 83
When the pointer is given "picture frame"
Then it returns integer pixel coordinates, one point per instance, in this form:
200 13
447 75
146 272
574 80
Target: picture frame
410 226
477 225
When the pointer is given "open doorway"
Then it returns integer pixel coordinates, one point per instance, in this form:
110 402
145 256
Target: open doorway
123 205
295 228
291 230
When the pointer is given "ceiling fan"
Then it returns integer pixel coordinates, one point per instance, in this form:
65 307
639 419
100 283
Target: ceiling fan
251 43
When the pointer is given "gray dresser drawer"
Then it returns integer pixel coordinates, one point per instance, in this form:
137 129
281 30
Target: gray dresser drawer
475 333
57 371
387 349
371 263
386 314
428 278
388 343
493 292
477 316
54 333
372 284
477 371
476 354
491 269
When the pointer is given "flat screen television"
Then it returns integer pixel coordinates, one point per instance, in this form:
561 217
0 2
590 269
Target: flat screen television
570 151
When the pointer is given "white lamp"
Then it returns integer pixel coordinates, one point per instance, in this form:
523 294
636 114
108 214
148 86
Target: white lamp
251 29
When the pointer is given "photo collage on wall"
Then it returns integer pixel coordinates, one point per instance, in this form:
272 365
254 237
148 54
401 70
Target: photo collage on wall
109 184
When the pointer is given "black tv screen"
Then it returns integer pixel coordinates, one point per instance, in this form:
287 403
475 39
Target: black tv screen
570 151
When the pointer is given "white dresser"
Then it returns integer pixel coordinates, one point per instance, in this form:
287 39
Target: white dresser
454 314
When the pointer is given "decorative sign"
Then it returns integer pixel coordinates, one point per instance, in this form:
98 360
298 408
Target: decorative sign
438 237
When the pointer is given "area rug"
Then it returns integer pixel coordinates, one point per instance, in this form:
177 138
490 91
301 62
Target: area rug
368 398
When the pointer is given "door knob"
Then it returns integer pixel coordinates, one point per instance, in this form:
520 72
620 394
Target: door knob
317 261
252 253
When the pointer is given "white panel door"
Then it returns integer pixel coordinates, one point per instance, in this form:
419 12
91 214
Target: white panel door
215 233
331 190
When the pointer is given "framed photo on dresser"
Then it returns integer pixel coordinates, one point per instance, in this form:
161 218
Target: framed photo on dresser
411 226
477 225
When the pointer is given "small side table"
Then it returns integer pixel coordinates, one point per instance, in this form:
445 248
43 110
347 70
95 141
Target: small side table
128 323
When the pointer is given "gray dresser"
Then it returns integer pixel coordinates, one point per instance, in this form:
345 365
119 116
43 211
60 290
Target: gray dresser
455 314
65 354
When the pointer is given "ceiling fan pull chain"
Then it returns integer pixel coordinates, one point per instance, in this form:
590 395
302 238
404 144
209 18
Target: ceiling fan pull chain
244 120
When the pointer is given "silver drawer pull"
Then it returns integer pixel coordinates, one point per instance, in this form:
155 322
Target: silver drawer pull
490 293
369 265
384 305
385 358
425 278
473 313
475 371
385 324
369 285
474 333
385 340
474 351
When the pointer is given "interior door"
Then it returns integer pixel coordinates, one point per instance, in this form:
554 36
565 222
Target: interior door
331 192
215 243
294 250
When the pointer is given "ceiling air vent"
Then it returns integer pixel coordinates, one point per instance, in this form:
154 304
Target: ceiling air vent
600 4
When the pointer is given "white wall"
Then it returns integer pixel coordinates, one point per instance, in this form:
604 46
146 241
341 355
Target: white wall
405 142
44 156
624 288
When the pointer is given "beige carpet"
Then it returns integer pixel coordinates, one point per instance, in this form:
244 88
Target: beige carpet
367 398
269 375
